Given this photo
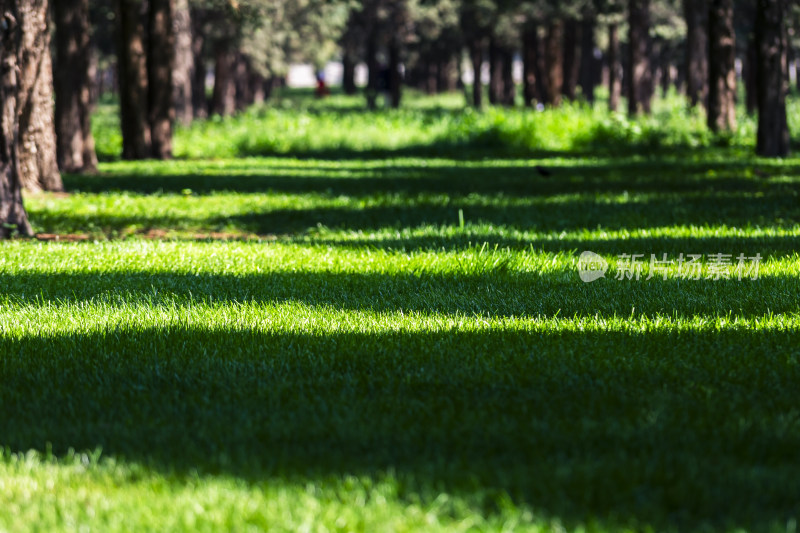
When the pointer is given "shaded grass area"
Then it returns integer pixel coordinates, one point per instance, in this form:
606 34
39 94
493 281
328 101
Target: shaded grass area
581 425
276 197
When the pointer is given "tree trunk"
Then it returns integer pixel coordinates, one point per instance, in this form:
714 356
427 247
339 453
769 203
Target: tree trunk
495 73
530 58
183 72
509 94
476 56
12 213
614 69
133 81
750 76
797 74
160 64
74 142
554 62
199 98
395 76
587 79
572 57
446 74
242 76
349 73
256 85
640 82
223 102
373 66
722 71
696 14
37 136
664 67
773 132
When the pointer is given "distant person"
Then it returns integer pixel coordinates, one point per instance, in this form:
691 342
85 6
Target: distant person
322 88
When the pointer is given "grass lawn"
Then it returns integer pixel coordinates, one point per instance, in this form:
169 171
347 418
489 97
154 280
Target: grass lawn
398 338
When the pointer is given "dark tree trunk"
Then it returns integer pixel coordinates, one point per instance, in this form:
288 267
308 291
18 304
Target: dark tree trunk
160 64
373 67
750 75
37 136
554 62
614 69
572 57
495 73
132 63
183 72
74 142
242 75
476 56
696 14
199 98
773 132
664 68
587 78
349 73
256 86
530 58
722 71
797 74
640 82
446 74
429 76
395 76
12 213
508 96
223 101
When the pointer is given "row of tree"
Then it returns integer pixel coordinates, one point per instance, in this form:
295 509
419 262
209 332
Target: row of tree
162 52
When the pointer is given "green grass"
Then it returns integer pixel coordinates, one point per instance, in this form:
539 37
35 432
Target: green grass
401 342
339 127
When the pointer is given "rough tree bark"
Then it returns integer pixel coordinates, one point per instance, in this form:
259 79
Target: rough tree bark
75 150
773 132
572 57
37 135
132 81
12 213
721 67
614 69
183 72
696 66
640 82
554 62
160 64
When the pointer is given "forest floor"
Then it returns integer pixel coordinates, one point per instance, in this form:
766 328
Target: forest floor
400 337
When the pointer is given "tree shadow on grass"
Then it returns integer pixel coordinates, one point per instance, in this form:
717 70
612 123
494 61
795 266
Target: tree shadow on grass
663 430
775 208
488 289
653 175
